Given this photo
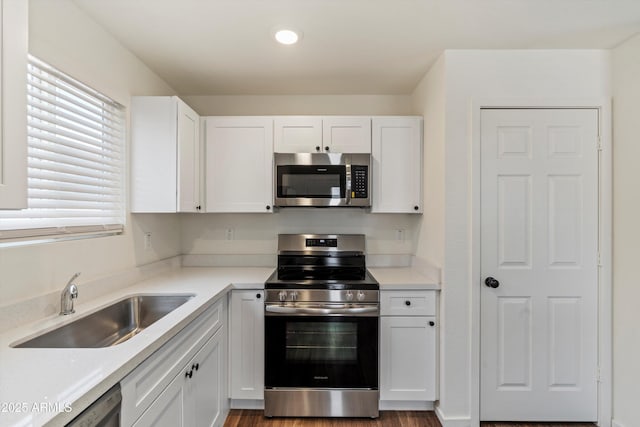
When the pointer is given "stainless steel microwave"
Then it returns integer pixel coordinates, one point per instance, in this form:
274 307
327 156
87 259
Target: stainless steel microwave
322 179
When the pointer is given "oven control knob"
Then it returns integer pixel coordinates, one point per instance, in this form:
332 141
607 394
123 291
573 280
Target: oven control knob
294 296
282 295
360 296
349 296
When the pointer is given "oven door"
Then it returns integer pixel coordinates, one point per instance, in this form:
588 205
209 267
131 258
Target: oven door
321 346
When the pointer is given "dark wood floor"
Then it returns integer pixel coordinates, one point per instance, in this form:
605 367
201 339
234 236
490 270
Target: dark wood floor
246 418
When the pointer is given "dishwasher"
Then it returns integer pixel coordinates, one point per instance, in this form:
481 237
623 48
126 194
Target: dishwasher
104 412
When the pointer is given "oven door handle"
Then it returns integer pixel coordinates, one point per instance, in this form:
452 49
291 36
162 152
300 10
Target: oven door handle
353 310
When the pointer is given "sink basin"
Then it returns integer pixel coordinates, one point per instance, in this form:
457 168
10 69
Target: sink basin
111 325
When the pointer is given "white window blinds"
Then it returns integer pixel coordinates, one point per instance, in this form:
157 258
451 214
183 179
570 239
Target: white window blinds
75 159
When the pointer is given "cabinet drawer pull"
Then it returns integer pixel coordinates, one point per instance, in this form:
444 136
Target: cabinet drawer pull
407 303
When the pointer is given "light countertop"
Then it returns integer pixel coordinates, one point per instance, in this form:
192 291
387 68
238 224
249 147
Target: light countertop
405 278
36 385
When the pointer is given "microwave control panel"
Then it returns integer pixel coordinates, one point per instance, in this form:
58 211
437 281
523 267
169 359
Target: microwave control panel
359 182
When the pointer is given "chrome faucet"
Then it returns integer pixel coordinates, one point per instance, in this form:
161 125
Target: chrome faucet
69 293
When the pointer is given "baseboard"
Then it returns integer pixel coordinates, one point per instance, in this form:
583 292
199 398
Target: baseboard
405 405
447 421
615 423
247 404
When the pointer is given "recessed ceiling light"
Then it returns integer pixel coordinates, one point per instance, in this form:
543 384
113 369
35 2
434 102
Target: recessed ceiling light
287 36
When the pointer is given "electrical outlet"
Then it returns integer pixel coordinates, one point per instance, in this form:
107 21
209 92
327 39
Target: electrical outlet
400 234
147 240
228 234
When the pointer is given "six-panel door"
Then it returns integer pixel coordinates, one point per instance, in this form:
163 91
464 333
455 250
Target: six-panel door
539 263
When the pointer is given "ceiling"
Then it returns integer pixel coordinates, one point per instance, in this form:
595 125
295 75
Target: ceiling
214 47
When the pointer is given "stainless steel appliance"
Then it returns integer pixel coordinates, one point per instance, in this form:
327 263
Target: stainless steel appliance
104 412
321 329
322 179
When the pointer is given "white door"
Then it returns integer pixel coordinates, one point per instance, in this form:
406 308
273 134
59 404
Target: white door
297 134
396 147
188 158
246 342
539 305
239 164
346 134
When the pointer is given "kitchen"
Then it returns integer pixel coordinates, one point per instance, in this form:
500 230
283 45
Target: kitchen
67 36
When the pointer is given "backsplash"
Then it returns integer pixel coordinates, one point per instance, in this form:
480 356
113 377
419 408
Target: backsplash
391 236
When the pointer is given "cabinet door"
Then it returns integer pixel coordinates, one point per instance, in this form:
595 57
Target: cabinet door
188 159
239 164
346 134
170 409
297 134
408 358
397 165
13 104
208 386
246 340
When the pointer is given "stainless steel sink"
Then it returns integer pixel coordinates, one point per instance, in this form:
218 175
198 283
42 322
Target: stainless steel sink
111 325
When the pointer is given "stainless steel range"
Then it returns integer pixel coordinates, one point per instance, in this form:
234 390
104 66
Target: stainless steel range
321 329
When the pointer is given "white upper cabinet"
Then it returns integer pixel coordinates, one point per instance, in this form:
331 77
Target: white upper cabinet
316 134
13 104
239 164
297 134
397 165
346 134
165 155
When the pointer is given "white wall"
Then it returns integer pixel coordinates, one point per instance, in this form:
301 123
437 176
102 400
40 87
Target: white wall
65 37
247 105
429 101
256 234
626 233
484 75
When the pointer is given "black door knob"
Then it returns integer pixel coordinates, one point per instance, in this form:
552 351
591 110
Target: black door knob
491 282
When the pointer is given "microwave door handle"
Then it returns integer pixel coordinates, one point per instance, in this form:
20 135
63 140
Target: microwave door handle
348 184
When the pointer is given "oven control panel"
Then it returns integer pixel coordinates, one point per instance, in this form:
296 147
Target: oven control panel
321 295
321 243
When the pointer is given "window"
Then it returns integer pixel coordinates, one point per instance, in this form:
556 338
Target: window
75 160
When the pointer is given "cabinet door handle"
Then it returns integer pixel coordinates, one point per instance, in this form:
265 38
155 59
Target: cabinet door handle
416 207
195 366
407 303
317 148
258 296
268 207
432 323
188 374
326 148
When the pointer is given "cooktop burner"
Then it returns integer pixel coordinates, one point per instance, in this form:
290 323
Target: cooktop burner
321 261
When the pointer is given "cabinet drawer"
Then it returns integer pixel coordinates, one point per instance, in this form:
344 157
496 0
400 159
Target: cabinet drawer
145 383
408 303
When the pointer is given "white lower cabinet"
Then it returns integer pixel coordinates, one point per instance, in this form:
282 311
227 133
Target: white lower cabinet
246 345
194 397
184 383
408 346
